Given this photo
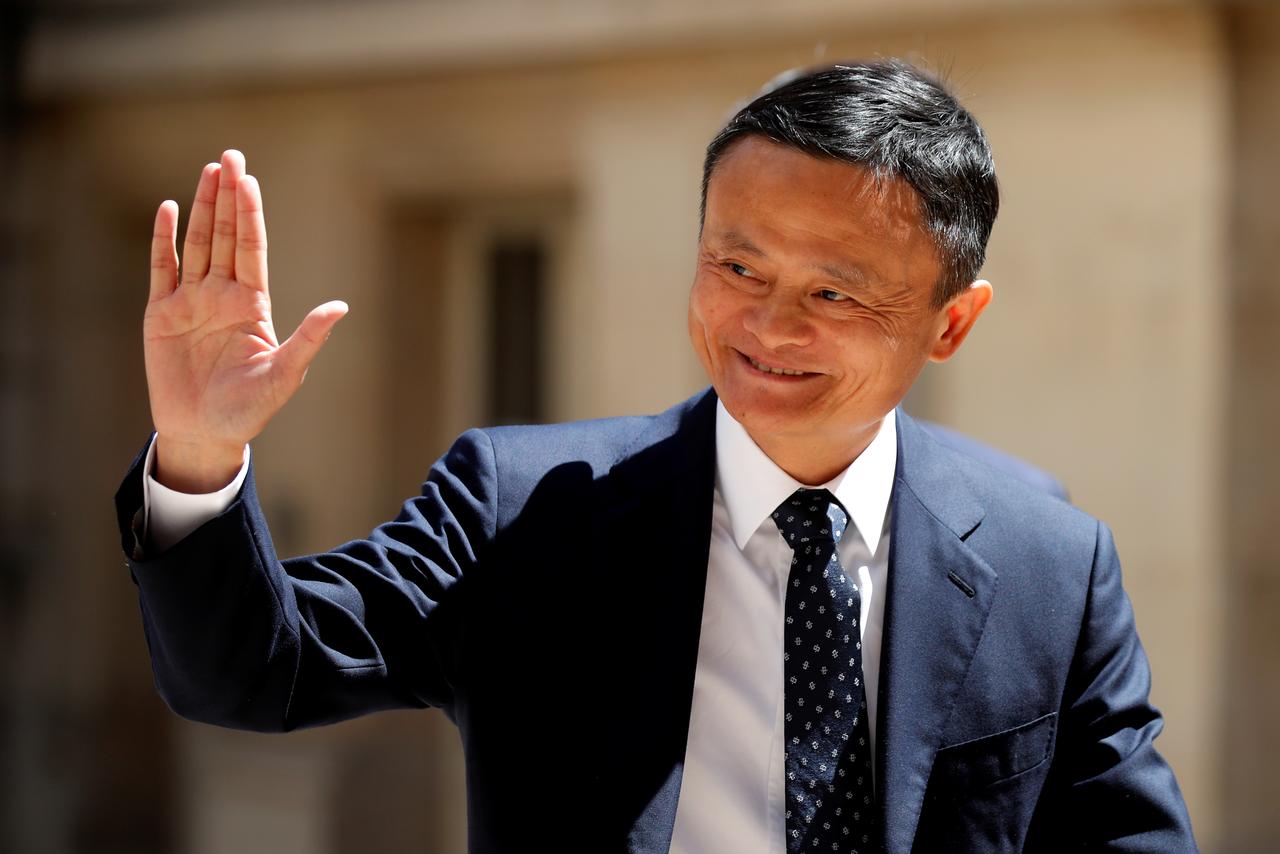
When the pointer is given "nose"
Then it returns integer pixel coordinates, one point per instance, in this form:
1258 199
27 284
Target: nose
779 321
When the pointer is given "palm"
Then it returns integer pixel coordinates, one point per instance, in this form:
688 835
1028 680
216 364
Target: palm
216 373
209 360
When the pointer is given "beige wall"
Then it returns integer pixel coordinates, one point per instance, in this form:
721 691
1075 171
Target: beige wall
1252 677
1104 358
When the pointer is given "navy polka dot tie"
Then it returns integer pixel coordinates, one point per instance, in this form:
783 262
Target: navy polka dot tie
830 799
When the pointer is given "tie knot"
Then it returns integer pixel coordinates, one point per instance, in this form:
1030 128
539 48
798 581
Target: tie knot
811 516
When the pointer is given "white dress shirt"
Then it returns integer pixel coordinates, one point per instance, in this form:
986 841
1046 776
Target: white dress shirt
732 795
731 798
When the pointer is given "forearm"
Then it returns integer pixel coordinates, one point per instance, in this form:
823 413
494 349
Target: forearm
239 638
219 617
195 468
170 515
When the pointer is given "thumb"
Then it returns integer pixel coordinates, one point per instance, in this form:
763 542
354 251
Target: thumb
295 354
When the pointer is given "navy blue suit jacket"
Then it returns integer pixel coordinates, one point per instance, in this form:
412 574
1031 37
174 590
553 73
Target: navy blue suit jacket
545 590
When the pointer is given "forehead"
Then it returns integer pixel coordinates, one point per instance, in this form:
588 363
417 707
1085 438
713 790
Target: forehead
793 201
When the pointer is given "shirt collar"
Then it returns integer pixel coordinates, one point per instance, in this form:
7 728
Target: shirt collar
752 485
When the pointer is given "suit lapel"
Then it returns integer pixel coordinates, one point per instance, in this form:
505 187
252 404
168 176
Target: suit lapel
659 505
939 595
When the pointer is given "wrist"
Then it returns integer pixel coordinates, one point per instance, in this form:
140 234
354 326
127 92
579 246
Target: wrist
196 468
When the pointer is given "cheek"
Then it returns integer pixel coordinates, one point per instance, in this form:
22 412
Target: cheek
889 336
865 350
709 308
889 330
878 363
696 336
699 332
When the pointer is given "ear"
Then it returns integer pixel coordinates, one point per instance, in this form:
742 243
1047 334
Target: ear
959 315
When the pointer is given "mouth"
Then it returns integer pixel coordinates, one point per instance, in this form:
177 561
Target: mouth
773 370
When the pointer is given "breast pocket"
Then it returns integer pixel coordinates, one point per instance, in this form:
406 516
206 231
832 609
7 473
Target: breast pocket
982 793
996 757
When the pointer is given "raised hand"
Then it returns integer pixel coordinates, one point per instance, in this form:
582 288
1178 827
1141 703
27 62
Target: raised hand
216 373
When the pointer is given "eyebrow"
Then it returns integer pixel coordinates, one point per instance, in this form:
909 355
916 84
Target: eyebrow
849 274
733 240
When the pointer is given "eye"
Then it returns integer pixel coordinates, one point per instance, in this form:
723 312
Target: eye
833 296
739 270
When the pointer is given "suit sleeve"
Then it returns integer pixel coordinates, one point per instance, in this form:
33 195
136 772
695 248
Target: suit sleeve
1109 789
239 638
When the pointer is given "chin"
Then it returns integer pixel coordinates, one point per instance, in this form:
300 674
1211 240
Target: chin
765 417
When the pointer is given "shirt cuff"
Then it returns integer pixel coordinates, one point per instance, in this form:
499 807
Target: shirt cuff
168 516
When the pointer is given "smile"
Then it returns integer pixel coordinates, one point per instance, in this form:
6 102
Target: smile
769 369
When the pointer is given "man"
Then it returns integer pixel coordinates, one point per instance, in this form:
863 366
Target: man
777 617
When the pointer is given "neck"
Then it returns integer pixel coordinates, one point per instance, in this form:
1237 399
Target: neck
815 460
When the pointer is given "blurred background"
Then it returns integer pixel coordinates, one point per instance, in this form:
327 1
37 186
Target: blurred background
506 194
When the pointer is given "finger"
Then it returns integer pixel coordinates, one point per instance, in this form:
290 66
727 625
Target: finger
164 252
295 355
222 256
195 247
251 234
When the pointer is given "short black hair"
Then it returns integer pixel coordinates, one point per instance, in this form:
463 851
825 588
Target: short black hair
899 122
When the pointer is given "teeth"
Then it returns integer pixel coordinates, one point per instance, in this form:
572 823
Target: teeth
780 371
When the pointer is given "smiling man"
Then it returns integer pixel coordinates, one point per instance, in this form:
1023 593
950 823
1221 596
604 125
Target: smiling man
778 617
819 296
